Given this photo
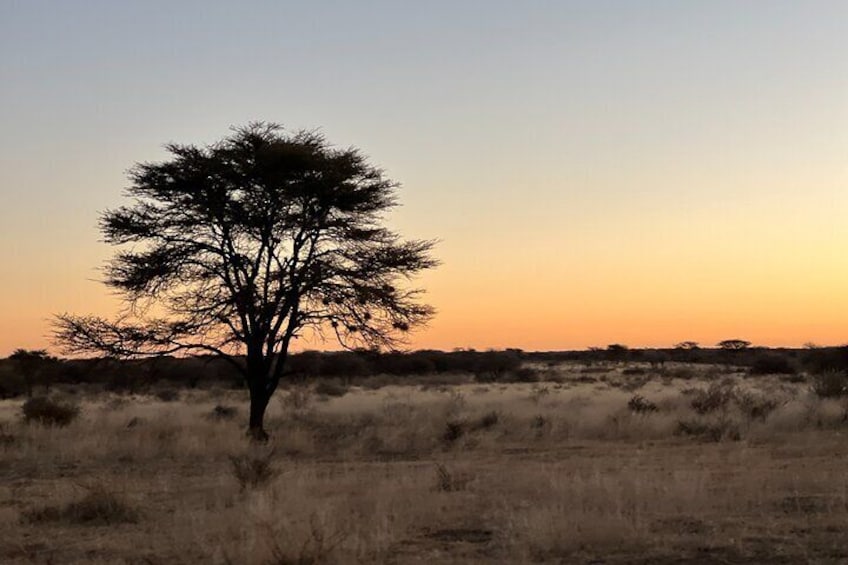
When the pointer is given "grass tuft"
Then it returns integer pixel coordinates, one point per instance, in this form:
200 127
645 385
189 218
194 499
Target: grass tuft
641 405
253 471
454 429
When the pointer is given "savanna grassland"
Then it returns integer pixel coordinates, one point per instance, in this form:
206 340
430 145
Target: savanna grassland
602 463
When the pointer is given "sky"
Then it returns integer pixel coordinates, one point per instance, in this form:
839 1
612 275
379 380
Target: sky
596 172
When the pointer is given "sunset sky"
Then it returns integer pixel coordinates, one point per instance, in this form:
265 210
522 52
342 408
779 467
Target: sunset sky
596 171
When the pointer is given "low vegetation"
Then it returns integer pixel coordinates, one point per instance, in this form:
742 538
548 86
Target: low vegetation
641 405
563 469
253 470
49 412
334 372
831 384
222 412
97 508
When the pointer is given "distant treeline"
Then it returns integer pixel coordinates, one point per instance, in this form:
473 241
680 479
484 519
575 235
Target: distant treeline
485 366
759 360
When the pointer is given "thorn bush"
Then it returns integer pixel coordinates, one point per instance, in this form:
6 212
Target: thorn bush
47 412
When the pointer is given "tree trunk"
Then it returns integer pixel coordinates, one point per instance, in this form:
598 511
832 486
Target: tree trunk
262 380
258 403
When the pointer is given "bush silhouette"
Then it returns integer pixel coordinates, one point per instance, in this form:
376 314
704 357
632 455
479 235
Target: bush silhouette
772 364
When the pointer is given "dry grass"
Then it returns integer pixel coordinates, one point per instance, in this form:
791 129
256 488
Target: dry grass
563 470
98 507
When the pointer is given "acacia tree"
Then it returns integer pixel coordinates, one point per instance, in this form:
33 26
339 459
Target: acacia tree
239 247
734 344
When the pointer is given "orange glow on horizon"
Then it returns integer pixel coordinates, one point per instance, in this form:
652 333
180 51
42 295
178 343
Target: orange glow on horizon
611 303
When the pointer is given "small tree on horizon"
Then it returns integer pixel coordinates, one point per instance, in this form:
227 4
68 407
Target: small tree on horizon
734 344
617 351
239 247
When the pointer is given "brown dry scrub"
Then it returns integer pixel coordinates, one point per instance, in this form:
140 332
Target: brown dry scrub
571 474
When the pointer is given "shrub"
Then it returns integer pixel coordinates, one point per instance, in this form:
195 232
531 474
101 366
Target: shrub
538 422
412 363
454 429
98 507
253 471
525 375
755 407
115 404
772 364
343 363
134 422
221 412
494 366
822 359
330 388
12 384
641 405
486 377
168 395
715 431
830 384
682 373
634 382
796 378
488 420
49 412
716 397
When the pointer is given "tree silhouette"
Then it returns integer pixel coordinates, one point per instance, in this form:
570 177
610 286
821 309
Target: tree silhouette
239 247
617 351
734 344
